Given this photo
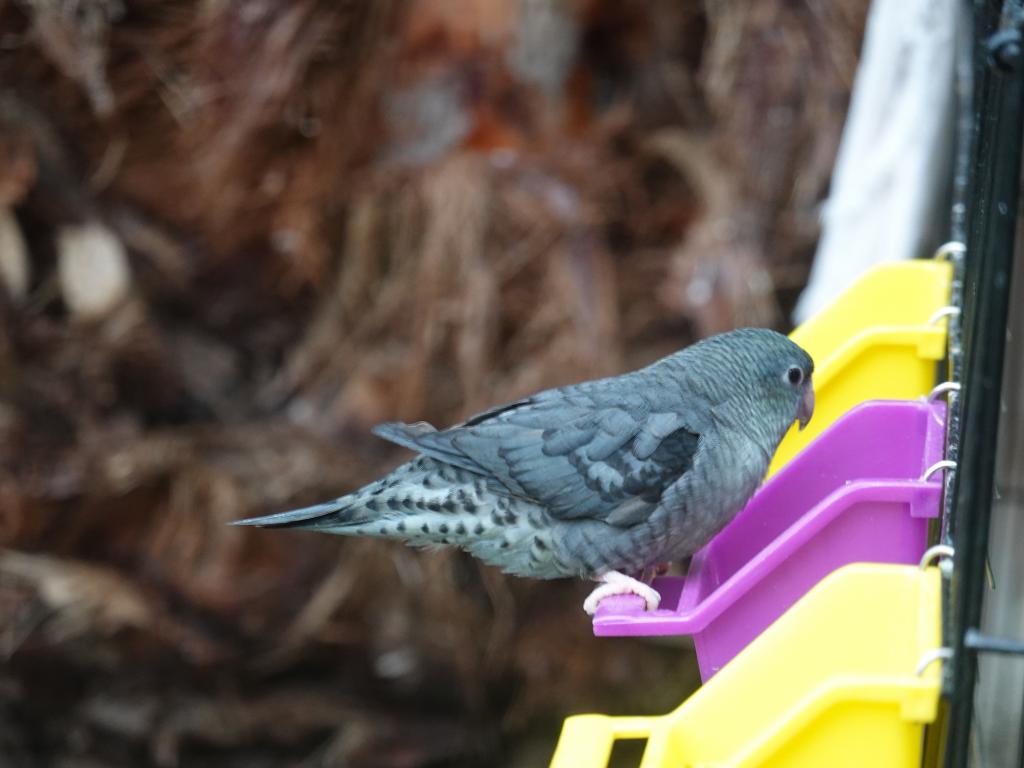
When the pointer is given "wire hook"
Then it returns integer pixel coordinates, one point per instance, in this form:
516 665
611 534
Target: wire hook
938 654
942 389
939 550
936 467
944 312
946 251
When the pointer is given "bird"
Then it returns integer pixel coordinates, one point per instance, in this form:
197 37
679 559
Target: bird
599 480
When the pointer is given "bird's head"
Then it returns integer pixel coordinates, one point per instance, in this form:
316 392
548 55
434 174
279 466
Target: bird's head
761 373
798 377
787 375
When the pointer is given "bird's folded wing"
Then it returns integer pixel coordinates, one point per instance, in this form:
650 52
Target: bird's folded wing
571 453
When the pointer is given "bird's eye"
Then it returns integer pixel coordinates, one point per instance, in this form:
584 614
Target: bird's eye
794 375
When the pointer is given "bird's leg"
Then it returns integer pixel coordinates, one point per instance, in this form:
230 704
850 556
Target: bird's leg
651 572
615 583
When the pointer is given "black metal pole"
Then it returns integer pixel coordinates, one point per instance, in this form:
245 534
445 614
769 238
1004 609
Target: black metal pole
1020 739
991 227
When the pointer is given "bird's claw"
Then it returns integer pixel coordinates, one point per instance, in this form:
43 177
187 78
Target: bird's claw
652 572
615 583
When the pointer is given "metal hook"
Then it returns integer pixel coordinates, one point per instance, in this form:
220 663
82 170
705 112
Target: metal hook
939 550
943 654
937 466
944 312
947 250
942 389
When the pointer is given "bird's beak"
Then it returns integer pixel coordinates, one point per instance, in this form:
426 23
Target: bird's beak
806 409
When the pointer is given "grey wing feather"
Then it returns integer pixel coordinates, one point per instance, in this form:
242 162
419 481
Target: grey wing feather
577 453
404 434
422 437
293 517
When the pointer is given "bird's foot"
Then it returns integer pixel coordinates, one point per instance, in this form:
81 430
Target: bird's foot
651 572
615 583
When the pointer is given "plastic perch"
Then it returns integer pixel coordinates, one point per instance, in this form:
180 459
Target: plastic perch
857 494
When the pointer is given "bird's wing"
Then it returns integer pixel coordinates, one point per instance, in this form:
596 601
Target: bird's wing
607 455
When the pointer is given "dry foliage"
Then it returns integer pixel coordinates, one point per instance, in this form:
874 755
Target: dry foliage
234 235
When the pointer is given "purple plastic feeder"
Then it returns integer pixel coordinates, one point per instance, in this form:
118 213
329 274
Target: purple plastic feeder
856 494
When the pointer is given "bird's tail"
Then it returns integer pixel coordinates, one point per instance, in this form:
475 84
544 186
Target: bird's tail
348 514
426 503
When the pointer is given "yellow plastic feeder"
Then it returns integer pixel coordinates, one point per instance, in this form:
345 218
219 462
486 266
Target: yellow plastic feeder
877 341
834 682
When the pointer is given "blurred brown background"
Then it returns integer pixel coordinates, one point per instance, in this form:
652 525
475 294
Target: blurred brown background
235 235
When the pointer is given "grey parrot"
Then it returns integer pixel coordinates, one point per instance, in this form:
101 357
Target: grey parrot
596 480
